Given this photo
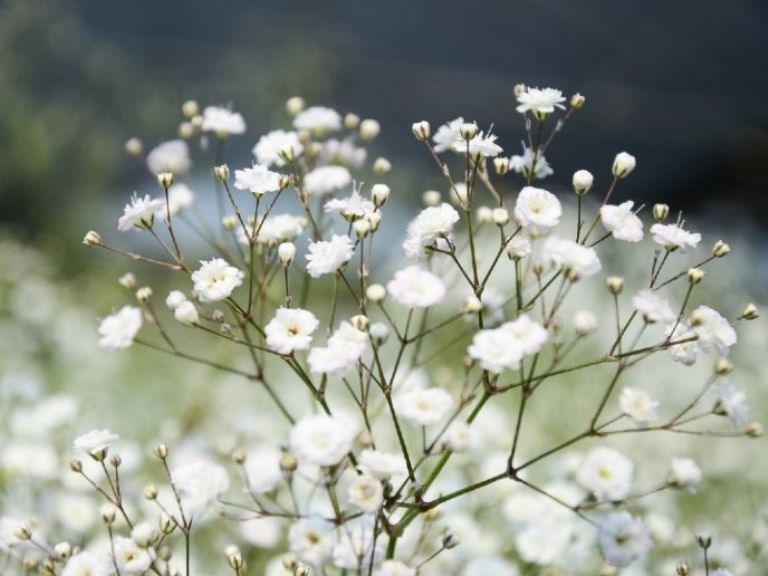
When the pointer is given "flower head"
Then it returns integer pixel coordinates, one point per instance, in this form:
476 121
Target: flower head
621 222
318 119
540 101
447 135
273 148
215 280
199 483
424 406
326 179
257 180
607 474
222 121
638 405
119 329
140 212
321 440
327 256
623 539
416 288
291 329
537 208
673 236
94 441
172 156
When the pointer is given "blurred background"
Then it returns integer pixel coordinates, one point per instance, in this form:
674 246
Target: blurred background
681 86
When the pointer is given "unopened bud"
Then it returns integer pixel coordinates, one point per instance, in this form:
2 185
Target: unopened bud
288 462
286 252
501 165
360 322
369 129
289 561
150 492
378 332
190 109
754 430
723 367
351 121
294 105
362 228
376 293
422 130
160 451
235 560
63 550
450 540
750 312
167 525
615 284
660 212
484 215
695 275
500 216
518 248
23 532
683 569
76 466
144 535
381 166
165 179
143 294
379 194
222 172
468 130
287 154
623 164
720 249
92 238
472 305
108 513
115 460
431 198
582 181
134 147
229 222
577 101
186 130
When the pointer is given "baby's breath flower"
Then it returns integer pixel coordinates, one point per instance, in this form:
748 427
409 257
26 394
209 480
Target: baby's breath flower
424 406
537 208
119 329
270 148
541 102
258 180
215 280
326 257
321 440
623 539
291 329
416 288
172 156
318 120
607 474
622 222
623 164
222 121
140 213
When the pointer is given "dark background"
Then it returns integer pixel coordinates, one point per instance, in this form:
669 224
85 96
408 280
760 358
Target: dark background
681 85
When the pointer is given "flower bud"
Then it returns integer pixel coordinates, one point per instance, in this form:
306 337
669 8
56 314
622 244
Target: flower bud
76 466
459 193
92 238
127 281
519 89
186 130
23 532
683 569
150 492
302 570
160 451
584 322
450 540
229 223
294 105
108 513
695 275
190 109
750 312
468 130
484 215
115 460
288 154
472 305
623 164
360 322
577 101
143 294
235 558
582 181
144 535
63 550
369 129
165 179
422 130
289 562
362 228
187 314
379 194
720 249
134 147
288 463
351 121
376 293
660 212
286 253
754 430
500 216
378 332
222 172
431 198
501 165
381 166
518 248
723 367
167 526
615 284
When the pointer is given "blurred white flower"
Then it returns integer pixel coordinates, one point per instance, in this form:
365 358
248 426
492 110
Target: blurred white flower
584 322
432 223
180 196
326 179
291 329
672 236
119 329
318 119
263 470
87 564
621 222
94 441
606 473
321 440
215 280
199 484
447 134
416 288
352 207
175 299
684 473
713 330
186 313
366 492
274 230
623 539
382 465
341 352
258 180
140 213
312 540
653 307
523 164
222 121
578 261
394 568
172 156
537 208
638 405
129 557
271 149
424 406
733 402
327 256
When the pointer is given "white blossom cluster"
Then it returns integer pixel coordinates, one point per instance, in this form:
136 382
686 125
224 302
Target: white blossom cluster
393 432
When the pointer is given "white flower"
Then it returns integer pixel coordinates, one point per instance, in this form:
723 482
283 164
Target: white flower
291 329
311 540
199 483
172 156
638 405
447 134
535 207
382 465
321 440
530 336
275 229
416 288
342 351
271 148
713 330
685 352
87 564
94 441
318 119
215 280
653 307
222 121
577 260
356 546
258 180
519 247
175 299
481 145
540 101
343 152
140 213
623 164
623 539
496 349
424 406
606 473
352 207
523 164
36 459
672 236
119 329
584 322
130 559
582 181
366 492
684 473
394 568
621 222
186 313
263 471
543 542
180 196
326 257
733 402
434 222
326 179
